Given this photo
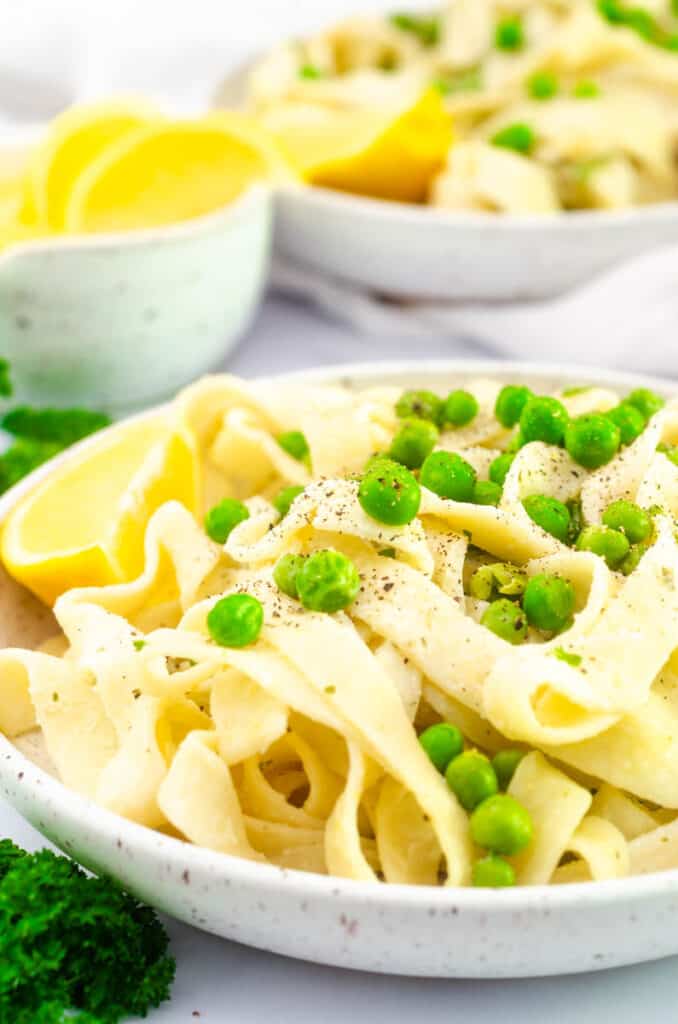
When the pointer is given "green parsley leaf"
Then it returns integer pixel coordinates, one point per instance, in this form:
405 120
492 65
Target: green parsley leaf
570 659
580 389
5 379
72 942
426 29
56 426
468 80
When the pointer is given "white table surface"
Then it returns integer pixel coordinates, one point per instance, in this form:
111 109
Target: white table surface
219 982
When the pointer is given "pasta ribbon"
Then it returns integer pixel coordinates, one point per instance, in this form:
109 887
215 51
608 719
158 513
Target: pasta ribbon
301 743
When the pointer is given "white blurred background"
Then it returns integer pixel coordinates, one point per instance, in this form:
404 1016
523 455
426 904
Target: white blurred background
54 52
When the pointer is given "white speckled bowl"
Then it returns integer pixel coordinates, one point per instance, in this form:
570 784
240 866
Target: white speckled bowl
393 929
122 320
427 253
424 252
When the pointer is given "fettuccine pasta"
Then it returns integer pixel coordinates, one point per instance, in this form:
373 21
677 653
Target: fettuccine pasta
415 639
556 105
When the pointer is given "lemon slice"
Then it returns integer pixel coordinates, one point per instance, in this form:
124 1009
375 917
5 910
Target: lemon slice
165 174
13 231
74 140
248 130
368 152
11 200
85 524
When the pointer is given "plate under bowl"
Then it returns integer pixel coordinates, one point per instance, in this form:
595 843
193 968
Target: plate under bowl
462 933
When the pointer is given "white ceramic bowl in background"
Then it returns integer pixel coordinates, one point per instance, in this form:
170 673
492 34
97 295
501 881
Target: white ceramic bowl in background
121 320
393 929
422 252
426 253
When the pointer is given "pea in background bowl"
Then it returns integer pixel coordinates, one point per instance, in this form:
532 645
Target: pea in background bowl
392 929
118 321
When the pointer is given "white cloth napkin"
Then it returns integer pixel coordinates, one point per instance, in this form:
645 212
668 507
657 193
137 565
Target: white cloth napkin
626 318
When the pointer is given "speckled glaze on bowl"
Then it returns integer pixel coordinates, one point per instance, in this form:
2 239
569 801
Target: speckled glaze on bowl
119 321
464 933
422 252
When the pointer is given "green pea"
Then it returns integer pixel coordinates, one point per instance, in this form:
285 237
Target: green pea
284 499
486 492
493 872
592 440
505 764
449 475
542 85
500 466
629 519
414 441
509 35
510 403
471 778
390 494
586 90
515 444
549 513
236 620
548 602
544 419
222 518
286 572
632 560
310 71
601 540
507 620
630 421
442 742
295 444
647 402
419 405
502 825
460 408
500 579
377 459
327 582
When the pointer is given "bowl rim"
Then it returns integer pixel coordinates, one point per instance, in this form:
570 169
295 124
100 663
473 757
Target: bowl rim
414 214
251 198
57 800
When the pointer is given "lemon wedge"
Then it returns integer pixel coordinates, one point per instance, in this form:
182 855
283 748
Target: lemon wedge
164 174
74 140
85 524
368 152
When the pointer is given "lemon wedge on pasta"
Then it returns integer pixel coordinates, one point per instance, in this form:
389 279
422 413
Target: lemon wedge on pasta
367 152
85 525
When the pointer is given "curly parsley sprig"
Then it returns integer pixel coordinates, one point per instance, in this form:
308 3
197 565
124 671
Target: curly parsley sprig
71 942
39 433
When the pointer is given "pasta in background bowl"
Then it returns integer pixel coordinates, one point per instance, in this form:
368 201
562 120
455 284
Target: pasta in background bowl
564 148
298 749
